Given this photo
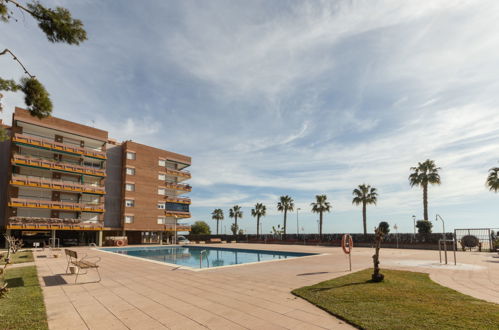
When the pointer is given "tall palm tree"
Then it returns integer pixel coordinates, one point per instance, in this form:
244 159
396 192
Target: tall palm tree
259 211
365 195
320 206
285 204
423 174
217 214
235 212
493 179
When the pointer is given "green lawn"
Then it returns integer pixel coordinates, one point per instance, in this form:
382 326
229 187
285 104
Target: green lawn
405 300
22 307
19 257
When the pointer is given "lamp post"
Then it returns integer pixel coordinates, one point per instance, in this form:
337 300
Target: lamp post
396 234
414 220
297 224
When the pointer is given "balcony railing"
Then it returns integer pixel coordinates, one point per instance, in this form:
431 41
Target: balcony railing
56 205
55 184
181 200
183 174
178 227
41 223
178 186
178 214
52 145
47 164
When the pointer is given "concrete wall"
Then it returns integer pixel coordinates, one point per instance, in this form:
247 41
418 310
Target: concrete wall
4 179
113 184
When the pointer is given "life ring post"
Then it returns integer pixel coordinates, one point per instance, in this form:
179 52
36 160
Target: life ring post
347 246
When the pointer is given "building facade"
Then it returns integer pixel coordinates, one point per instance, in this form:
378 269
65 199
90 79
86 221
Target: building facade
73 185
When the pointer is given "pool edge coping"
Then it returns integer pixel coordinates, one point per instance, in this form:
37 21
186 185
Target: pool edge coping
177 267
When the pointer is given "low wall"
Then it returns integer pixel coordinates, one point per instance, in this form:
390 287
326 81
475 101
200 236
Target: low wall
405 241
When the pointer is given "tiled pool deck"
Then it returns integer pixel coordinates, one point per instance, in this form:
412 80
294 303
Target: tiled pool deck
137 294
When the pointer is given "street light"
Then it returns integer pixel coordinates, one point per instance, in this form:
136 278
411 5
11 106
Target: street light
414 220
396 234
297 225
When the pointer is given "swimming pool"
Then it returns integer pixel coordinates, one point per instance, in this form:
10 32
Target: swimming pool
204 257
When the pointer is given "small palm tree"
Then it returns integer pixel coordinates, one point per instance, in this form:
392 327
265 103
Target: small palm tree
423 174
493 179
259 211
285 204
235 212
320 206
217 214
365 195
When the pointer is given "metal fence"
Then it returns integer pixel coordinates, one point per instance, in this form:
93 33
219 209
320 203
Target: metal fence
476 239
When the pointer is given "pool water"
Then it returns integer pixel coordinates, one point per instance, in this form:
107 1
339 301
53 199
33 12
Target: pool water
204 257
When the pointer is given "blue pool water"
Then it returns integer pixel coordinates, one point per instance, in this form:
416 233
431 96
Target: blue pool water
190 256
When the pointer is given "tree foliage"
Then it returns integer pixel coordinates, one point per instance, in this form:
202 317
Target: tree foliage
235 213
284 205
493 179
423 174
320 206
424 226
384 227
58 26
217 215
364 195
200 228
259 211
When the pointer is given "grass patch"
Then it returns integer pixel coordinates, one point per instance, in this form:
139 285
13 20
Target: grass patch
405 300
19 257
22 307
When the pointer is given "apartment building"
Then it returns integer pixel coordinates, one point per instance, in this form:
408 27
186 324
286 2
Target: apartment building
71 183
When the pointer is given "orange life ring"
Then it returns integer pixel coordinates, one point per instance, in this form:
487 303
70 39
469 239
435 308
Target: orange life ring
347 249
120 242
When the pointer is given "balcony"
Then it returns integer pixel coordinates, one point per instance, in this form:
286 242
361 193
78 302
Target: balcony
55 184
52 223
177 214
176 173
51 165
56 205
56 146
178 227
181 200
178 186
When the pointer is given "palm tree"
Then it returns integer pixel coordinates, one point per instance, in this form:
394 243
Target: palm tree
259 211
493 179
235 213
320 206
217 214
364 195
285 204
425 173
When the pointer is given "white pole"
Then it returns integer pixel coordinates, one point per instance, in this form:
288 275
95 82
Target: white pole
297 224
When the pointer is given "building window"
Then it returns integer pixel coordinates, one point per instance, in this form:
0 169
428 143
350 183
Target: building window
130 171
128 218
161 177
129 203
161 206
162 162
161 220
161 191
130 155
130 187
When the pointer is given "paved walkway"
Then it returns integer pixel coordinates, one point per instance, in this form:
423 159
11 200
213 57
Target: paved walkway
137 294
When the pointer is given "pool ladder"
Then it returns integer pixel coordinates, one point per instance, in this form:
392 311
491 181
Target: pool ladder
201 259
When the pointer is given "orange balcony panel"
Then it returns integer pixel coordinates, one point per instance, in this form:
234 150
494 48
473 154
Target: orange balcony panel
54 184
41 163
172 172
178 186
55 205
177 200
53 145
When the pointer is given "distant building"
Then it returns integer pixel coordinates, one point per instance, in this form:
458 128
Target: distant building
71 183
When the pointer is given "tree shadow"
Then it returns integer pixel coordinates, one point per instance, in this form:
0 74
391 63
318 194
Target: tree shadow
315 273
343 286
15 282
54 280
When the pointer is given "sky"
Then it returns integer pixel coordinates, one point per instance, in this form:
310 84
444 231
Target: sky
295 98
